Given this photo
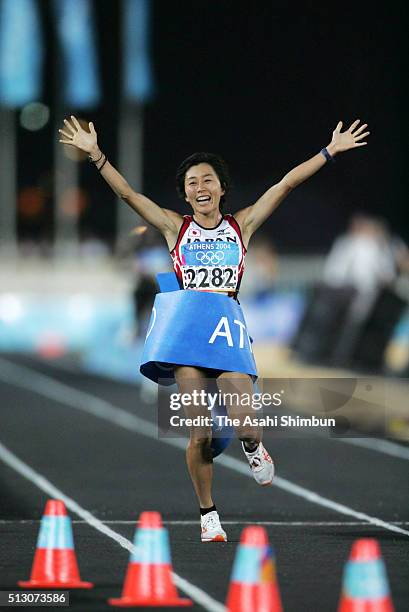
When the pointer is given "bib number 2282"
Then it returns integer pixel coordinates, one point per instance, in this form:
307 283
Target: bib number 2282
216 278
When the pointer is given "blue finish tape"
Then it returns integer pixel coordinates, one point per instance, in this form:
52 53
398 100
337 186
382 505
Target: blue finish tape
198 329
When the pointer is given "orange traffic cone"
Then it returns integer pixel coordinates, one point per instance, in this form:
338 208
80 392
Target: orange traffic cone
55 564
365 583
148 580
253 584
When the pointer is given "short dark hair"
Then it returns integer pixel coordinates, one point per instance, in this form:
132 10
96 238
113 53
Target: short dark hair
215 161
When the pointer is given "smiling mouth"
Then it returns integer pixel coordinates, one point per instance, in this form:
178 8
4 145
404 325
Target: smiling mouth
203 199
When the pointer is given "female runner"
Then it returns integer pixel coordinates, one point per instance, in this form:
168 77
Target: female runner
203 182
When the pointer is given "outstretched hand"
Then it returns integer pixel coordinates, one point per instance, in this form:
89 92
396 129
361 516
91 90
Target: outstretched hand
351 138
73 134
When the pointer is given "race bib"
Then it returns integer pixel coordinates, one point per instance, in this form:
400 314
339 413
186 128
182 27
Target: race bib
210 266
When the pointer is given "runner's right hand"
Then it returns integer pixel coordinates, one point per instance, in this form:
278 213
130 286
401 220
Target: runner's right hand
73 134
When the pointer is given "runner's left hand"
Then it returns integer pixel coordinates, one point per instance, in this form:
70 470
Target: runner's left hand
350 139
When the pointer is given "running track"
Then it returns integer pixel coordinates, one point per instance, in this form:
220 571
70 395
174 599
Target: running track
90 439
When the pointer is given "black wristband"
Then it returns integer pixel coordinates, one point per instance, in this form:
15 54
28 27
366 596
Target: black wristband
103 164
327 155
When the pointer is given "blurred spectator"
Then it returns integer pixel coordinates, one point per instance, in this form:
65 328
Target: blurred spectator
149 256
366 257
352 313
143 296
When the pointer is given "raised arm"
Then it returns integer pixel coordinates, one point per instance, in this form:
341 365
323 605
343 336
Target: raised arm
166 221
252 217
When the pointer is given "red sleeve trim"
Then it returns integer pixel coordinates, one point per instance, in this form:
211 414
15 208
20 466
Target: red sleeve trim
236 226
187 219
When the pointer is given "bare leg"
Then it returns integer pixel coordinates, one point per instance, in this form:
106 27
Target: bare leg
198 453
240 388
234 385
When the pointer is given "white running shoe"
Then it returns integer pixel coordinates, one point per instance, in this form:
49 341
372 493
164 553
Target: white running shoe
261 465
211 529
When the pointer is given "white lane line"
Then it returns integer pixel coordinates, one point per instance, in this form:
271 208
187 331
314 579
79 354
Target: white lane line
63 394
45 485
268 523
381 446
230 523
10 459
313 497
194 523
386 447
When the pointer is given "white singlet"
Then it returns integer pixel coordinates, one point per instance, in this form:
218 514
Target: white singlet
209 259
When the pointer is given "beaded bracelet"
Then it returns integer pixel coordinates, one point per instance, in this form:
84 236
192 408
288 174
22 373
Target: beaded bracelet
95 161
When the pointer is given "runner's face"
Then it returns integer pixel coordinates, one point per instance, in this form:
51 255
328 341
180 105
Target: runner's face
202 188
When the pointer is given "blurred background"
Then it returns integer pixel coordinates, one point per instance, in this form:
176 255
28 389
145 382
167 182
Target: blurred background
327 282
